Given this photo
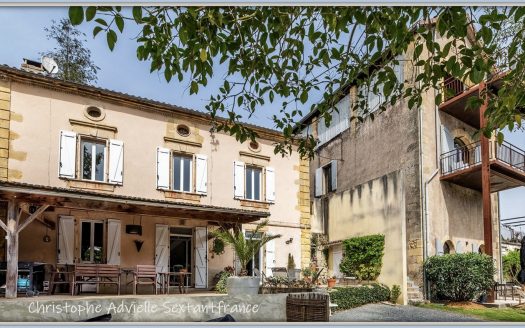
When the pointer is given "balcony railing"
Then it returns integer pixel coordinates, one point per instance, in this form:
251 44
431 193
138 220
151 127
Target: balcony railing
453 87
510 155
461 158
470 155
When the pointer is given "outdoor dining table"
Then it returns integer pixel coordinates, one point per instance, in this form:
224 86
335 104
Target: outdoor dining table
127 271
181 277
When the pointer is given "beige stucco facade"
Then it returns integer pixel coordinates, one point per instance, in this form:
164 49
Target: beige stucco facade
39 112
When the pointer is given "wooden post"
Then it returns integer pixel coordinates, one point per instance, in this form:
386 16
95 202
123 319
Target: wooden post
12 250
485 182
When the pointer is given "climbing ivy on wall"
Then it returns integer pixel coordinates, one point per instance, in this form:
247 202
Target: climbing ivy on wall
363 257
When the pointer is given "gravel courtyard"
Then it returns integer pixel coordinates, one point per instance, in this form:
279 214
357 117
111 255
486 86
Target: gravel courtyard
385 313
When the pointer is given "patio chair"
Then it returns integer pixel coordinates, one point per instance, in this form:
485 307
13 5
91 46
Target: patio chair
145 275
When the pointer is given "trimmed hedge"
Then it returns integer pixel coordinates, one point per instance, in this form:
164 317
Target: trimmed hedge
351 297
363 257
460 277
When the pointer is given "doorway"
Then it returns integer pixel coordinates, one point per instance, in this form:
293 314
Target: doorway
181 245
255 264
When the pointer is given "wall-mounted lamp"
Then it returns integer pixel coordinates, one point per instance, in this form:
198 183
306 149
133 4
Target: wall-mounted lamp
289 241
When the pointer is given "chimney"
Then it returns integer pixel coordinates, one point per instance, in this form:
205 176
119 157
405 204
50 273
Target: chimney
32 66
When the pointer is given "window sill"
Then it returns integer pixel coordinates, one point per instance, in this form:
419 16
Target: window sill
180 195
255 204
90 185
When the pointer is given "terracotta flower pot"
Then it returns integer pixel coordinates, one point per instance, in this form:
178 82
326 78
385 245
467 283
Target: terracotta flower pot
331 282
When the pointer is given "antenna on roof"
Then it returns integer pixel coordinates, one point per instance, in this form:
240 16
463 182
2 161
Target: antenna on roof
49 65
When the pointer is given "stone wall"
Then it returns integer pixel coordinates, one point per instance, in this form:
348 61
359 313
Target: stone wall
169 308
304 207
5 106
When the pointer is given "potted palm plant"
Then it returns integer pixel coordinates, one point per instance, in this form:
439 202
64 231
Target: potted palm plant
245 248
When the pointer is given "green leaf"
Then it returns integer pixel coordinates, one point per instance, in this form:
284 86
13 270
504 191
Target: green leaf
111 39
97 30
203 55
91 11
476 75
304 96
194 87
137 14
500 137
76 15
120 23
517 117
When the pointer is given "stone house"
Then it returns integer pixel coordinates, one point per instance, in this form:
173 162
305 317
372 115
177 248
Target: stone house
88 174
422 177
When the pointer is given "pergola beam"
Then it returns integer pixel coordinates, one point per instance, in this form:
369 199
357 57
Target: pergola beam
32 217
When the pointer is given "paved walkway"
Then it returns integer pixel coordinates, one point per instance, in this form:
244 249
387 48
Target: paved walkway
398 313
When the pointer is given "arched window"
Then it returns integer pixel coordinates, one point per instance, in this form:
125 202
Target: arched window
462 151
448 247
481 249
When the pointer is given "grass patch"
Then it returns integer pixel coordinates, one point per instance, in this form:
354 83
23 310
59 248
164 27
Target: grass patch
490 314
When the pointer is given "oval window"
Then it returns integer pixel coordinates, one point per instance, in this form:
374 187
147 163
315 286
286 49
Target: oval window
94 113
254 145
183 130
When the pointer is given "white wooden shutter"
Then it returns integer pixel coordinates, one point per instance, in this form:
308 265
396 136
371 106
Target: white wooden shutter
66 240
163 168
334 175
318 182
113 248
238 177
162 247
459 247
447 145
201 258
439 247
68 151
201 172
270 184
270 257
116 161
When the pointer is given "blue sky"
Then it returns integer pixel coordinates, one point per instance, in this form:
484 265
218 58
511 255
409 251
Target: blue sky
22 30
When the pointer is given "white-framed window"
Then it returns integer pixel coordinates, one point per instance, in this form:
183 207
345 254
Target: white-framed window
326 179
253 182
182 173
92 241
93 159
88 158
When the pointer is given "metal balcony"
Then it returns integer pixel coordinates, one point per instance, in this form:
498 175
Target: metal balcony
462 166
456 98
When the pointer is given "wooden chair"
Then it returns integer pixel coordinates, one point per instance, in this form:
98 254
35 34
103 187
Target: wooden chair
61 276
145 275
109 275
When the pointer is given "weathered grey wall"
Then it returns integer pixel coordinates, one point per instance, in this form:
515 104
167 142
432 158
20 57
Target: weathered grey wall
369 151
376 207
173 308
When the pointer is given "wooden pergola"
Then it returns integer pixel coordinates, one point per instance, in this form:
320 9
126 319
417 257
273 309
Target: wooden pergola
42 198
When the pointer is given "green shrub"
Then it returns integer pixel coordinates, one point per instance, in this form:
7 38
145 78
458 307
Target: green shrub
394 293
220 287
459 277
363 257
511 265
351 297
